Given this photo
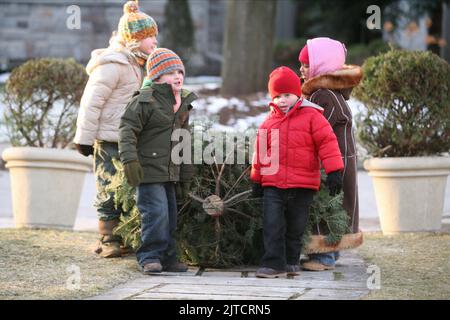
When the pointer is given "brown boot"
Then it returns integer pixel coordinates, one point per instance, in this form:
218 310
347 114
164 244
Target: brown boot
316 266
109 244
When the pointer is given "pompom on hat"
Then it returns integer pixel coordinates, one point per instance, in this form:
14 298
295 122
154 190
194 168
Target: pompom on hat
284 80
163 61
135 25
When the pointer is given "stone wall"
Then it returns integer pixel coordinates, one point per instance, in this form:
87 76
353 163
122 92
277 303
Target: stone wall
32 29
38 28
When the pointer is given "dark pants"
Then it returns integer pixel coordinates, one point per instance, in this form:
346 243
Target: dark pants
286 214
158 208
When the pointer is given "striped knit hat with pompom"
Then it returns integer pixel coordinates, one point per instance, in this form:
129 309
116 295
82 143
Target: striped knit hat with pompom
135 25
163 61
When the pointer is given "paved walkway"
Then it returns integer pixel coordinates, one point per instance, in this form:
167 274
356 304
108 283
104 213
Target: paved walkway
348 281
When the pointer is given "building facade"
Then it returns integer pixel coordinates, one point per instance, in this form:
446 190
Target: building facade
47 28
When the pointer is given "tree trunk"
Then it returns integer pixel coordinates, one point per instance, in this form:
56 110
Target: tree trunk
445 50
248 46
179 29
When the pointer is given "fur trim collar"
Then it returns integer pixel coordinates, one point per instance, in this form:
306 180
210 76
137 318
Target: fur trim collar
347 77
318 243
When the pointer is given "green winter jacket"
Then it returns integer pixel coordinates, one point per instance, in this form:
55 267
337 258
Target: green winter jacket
145 132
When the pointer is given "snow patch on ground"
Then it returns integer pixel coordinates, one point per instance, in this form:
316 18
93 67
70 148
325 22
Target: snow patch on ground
4 77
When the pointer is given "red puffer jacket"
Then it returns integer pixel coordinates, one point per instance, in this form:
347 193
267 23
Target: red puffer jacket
304 137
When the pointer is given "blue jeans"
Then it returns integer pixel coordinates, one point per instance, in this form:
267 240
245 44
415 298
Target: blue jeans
328 258
158 208
286 213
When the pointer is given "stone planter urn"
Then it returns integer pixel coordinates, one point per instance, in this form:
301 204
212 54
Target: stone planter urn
46 185
409 192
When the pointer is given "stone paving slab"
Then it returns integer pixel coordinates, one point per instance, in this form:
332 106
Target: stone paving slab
223 291
347 281
332 294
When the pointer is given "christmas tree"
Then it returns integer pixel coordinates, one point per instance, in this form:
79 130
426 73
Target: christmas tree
219 223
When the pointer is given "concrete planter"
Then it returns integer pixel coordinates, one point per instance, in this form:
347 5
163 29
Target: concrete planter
410 192
46 185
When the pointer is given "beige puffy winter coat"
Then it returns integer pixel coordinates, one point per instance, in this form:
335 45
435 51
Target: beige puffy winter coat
113 78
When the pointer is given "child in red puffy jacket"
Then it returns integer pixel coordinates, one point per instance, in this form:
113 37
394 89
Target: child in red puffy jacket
286 170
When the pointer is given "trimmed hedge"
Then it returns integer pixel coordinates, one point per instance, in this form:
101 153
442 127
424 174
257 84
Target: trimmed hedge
408 104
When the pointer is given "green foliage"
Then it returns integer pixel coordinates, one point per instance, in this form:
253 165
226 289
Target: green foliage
328 214
179 29
342 20
125 197
358 53
42 98
286 53
408 104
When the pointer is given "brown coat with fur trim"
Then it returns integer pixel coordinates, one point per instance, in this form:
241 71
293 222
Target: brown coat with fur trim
330 91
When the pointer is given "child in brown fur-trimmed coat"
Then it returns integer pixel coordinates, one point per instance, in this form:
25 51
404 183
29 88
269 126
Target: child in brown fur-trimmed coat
328 83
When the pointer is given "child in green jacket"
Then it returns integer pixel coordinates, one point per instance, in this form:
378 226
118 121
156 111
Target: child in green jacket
145 146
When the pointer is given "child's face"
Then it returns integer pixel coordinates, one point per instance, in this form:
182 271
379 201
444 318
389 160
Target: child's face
174 78
285 100
148 45
304 70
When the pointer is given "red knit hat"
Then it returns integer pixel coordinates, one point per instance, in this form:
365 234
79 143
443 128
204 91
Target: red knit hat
284 80
303 57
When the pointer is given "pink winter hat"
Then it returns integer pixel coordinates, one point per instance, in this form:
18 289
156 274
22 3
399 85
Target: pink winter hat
325 56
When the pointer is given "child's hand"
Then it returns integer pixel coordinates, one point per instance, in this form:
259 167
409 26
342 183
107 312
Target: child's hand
84 149
134 173
334 182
